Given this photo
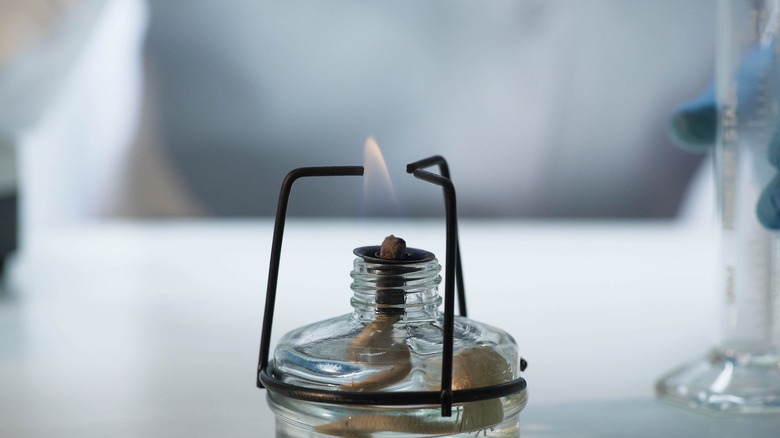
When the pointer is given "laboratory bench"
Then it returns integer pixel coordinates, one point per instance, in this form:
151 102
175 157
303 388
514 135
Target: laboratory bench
152 328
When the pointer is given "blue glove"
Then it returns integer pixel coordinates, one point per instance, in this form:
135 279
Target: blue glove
694 124
693 127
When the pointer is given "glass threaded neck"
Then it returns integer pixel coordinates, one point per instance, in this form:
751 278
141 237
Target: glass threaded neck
409 290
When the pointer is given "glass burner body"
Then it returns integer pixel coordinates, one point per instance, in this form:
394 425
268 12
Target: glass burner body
392 341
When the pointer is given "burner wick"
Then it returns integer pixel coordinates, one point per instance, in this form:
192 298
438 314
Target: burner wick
393 248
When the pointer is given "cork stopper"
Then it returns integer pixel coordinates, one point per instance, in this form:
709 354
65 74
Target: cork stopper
393 248
393 251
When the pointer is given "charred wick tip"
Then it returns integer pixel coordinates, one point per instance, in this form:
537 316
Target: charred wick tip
393 248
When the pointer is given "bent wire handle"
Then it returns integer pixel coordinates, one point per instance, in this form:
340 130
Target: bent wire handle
446 396
444 169
276 248
451 210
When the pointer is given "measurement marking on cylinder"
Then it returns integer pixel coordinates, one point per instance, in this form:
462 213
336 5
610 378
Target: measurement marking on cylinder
730 297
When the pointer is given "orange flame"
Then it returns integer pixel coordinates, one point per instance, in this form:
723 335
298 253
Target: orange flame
378 193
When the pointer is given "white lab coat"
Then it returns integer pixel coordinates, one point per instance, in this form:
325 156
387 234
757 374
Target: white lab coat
69 112
543 108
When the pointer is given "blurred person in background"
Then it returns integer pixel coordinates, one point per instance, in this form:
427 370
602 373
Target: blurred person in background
69 87
70 93
553 108
543 108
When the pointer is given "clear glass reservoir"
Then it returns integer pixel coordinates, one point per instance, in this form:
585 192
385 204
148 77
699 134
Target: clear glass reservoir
392 341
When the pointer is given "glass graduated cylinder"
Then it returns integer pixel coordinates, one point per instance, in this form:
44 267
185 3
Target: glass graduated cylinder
748 122
741 373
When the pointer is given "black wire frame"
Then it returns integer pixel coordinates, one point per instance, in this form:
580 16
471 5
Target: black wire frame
446 397
444 169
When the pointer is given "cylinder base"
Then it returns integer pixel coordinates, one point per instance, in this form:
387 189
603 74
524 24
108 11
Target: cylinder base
726 382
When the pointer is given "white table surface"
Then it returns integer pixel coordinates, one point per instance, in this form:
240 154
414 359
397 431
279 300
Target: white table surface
146 329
